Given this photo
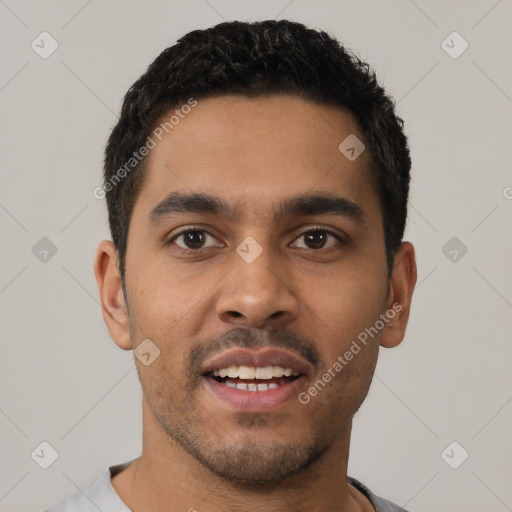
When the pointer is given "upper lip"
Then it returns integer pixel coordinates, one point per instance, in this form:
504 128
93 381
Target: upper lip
263 357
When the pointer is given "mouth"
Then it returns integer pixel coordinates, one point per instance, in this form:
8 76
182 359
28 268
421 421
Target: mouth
250 378
255 381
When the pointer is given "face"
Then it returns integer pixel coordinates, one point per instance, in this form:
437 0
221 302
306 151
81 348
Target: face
276 272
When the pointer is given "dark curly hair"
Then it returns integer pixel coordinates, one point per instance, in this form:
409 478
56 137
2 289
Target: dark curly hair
257 59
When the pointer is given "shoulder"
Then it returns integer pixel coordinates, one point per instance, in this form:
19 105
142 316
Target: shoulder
77 503
100 496
379 504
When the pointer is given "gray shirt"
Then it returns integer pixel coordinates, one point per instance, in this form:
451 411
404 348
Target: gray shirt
101 495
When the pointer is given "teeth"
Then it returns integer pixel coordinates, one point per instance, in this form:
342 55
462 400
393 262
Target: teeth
250 372
277 371
246 372
251 386
233 372
267 372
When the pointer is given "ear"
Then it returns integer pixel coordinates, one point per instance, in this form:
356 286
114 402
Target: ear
403 280
113 305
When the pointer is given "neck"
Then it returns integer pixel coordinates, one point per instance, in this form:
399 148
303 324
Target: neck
166 477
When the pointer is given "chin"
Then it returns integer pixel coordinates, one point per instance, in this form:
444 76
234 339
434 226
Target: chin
259 463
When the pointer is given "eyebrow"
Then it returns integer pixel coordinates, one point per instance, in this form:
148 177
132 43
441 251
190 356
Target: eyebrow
177 203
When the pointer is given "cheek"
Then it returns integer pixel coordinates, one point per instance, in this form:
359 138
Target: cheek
339 390
169 309
163 296
346 305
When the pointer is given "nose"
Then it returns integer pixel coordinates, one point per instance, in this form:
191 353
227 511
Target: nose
257 294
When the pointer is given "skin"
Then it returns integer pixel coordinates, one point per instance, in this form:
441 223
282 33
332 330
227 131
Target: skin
197 451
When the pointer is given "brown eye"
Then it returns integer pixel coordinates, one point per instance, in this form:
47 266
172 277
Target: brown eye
317 239
191 239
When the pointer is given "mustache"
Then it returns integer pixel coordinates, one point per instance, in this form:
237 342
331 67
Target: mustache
247 338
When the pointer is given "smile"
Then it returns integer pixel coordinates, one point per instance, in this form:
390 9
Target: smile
249 378
255 381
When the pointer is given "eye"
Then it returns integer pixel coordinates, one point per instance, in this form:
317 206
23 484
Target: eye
192 240
317 238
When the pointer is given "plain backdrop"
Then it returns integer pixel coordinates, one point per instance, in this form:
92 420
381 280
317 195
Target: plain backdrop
64 382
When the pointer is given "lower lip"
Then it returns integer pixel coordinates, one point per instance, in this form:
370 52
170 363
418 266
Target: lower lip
255 400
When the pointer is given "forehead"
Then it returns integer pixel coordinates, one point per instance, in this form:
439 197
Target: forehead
255 151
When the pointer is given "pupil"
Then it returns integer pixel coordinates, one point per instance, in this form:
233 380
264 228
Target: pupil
194 239
316 239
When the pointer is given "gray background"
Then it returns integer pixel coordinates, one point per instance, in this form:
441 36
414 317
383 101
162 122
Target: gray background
64 381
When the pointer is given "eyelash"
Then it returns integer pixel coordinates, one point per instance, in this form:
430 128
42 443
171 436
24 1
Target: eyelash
314 229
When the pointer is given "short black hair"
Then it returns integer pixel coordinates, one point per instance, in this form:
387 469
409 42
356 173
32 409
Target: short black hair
258 59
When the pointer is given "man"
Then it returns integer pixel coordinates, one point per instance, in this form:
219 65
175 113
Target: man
257 185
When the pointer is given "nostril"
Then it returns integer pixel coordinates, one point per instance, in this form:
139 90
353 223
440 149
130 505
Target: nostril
235 314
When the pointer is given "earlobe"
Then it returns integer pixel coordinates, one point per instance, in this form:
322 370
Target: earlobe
403 280
113 305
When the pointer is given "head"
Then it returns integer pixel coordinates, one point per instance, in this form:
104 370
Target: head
246 225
